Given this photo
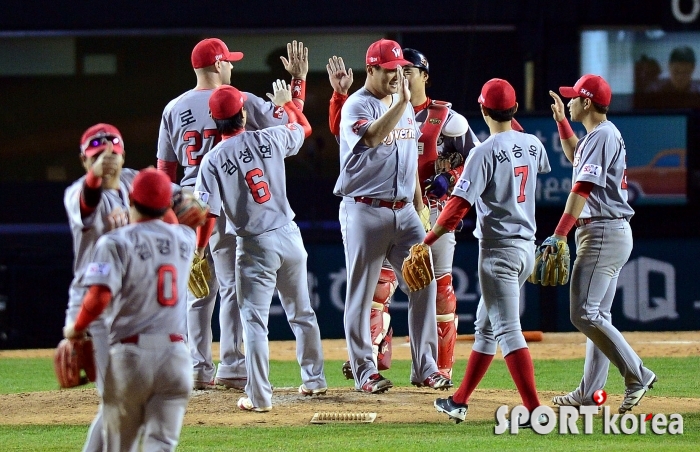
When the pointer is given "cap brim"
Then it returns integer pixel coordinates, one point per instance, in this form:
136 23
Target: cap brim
568 92
391 65
234 56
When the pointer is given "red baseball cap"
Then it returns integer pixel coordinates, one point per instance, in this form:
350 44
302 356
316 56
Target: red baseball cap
211 50
591 86
386 54
497 94
152 189
226 101
94 140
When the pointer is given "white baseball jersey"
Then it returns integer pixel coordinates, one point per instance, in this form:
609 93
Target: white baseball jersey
245 177
86 231
187 131
146 267
500 177
600 157
386 172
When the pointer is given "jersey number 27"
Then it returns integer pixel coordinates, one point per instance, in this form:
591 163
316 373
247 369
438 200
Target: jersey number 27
194 138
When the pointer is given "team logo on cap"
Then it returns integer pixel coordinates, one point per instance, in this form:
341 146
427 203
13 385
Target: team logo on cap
397 52
586 93
373 59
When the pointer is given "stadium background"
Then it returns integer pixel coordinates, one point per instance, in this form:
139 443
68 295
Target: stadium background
126 60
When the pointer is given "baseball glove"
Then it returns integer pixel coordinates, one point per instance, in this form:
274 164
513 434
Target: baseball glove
199 275
555 269
417 270
70 358
189 210
448 161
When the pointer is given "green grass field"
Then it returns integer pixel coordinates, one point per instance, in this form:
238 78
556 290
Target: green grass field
678 378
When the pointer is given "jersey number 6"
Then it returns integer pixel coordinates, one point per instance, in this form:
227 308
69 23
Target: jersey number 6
259 189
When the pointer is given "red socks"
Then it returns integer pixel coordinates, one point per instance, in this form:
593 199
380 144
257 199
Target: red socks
477 366
522 371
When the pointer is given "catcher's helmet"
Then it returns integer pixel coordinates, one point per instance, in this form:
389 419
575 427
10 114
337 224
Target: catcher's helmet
417 59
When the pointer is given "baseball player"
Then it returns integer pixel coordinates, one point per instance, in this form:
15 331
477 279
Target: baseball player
243 177
95 204
598 206
500 177
444 143
378 184
138 276
187 133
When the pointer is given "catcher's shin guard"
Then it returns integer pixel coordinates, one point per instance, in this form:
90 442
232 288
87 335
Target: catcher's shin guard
446 305
379 320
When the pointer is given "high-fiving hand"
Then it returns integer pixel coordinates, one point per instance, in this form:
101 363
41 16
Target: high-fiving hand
340 79
297 61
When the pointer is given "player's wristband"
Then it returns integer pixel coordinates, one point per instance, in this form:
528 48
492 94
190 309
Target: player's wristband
566 222
565 130
430 238
93 181
339 97
204 231
95 301
298 89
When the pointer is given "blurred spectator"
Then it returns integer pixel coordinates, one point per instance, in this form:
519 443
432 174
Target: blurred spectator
678 90
681 65
646 73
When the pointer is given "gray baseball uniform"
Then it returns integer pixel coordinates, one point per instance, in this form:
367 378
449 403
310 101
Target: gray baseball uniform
243 177
386 174
148 383
603 246
85 232
187 133
500 177
455 136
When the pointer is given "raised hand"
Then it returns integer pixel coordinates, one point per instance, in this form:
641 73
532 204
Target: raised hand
340 79
558 111
281 93
297 61
402 86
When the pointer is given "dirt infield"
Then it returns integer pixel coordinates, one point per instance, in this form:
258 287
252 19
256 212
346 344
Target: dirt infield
399 405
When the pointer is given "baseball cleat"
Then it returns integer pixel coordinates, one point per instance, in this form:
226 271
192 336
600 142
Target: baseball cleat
311 392
633 396
455 411
202 385
436 380
570 399
244 403
541 419
376 384
347 371
232 383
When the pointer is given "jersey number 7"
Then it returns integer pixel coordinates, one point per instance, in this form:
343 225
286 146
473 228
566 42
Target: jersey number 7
522 171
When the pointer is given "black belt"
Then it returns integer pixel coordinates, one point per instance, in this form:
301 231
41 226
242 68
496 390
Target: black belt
394 205
584 221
